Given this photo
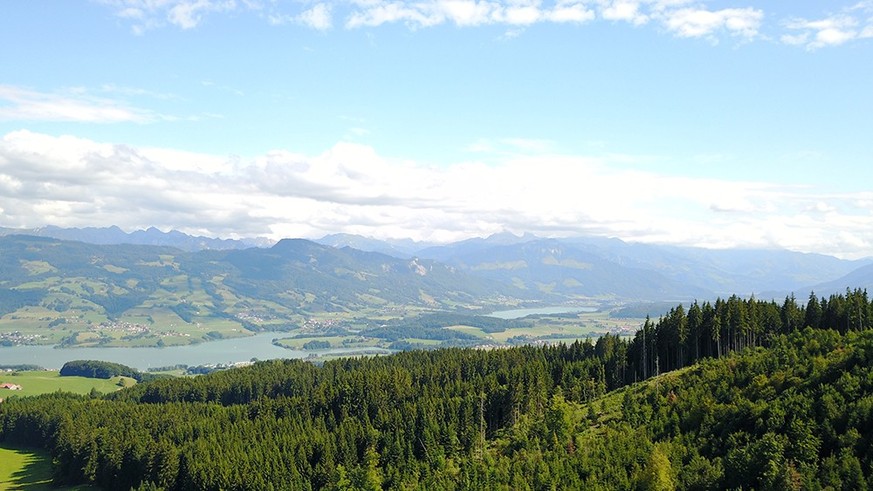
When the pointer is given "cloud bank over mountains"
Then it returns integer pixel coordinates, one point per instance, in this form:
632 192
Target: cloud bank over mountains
75 182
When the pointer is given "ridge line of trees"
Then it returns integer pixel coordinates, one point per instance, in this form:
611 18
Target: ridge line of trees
413 420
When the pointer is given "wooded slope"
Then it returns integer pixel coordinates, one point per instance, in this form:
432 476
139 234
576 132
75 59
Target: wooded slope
794 412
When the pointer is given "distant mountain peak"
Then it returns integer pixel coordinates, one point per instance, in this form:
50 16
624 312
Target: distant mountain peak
113 235
507 238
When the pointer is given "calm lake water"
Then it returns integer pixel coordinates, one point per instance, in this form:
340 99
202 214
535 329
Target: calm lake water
259 346
519 313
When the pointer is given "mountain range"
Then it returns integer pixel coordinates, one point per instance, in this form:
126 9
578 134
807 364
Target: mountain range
612 268
152 236
526 267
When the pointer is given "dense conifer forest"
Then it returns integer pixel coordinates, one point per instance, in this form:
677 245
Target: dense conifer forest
739 393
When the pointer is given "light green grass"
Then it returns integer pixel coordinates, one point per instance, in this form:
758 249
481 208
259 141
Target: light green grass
24 469
47 381
473 331
28 469
582 326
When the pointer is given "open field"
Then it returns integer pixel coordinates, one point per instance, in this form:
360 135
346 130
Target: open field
563 327
28 470
47 381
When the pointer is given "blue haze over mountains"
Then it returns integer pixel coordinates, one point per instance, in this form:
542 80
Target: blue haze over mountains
152 236
635 270
560 268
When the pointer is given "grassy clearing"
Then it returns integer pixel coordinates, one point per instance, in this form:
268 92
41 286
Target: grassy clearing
473 331
27 469
24 469
47 381
563 328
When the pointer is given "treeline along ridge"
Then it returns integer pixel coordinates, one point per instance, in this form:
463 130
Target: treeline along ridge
780 396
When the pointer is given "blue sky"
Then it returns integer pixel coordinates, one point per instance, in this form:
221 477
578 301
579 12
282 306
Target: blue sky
717 124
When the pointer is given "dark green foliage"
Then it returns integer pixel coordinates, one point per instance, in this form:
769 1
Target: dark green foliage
96 369
443 319
316 344
765 405
432 326
185 311
640 310
398 332
12 300
105 369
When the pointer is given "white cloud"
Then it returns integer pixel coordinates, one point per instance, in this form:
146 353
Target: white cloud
467 12
676 15
72 105
570 12
522 15
318 17
694 22
69 181
623 10
834 30
683 18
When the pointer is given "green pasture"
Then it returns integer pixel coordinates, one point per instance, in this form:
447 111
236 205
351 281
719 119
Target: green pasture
473 331
24 469
46 381
561 328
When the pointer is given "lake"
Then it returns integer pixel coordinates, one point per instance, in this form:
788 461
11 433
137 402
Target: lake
259 346
519 313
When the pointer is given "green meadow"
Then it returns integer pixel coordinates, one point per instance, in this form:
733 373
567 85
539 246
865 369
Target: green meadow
566 328
27 470
46 381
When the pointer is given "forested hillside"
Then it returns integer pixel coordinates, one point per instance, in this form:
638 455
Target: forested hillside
771 396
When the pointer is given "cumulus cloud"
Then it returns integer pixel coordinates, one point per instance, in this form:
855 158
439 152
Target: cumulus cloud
850 23
623 10
69 181
696 22
318 17
831 31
